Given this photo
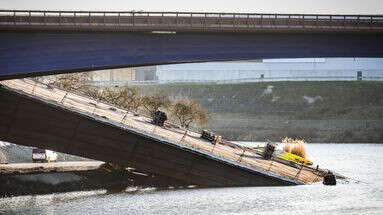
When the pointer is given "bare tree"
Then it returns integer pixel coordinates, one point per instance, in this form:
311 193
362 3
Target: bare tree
126 98
130 99
74 82
111 96
95 93
152 103
188 111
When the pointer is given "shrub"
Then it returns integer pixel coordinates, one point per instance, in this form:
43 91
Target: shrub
294 146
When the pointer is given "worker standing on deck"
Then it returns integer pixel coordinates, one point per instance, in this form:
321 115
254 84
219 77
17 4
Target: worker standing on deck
329 179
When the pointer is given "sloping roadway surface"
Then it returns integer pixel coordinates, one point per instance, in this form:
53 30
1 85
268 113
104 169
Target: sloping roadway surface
37 115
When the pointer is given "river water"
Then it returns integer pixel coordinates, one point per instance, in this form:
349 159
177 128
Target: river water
362 162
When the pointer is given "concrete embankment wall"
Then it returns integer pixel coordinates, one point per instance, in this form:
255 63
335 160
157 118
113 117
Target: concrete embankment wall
336 111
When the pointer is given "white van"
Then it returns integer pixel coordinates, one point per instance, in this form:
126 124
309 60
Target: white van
43 155
3 158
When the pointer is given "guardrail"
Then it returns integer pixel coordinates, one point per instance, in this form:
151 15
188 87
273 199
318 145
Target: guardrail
187 21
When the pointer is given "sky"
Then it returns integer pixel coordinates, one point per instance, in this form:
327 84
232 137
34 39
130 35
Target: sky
250 6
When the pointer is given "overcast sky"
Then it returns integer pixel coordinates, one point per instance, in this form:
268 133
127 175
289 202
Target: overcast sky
256 6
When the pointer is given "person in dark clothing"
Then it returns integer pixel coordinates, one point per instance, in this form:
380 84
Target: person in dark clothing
329 179
159 118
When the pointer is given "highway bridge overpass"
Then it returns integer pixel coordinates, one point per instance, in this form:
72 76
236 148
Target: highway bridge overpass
49 42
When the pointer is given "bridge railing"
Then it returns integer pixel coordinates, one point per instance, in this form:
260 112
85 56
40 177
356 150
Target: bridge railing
188 21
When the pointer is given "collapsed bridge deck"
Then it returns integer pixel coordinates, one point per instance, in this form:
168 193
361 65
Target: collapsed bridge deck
38 115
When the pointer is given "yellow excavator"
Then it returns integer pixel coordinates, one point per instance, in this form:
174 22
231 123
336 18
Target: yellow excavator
271 151
294 158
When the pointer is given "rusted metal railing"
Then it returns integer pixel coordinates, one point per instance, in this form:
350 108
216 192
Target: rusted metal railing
186 21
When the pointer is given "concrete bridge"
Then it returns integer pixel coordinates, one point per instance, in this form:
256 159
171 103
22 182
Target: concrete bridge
37 115
49 42
34 43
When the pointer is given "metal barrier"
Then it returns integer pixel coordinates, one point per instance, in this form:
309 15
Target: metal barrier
188 21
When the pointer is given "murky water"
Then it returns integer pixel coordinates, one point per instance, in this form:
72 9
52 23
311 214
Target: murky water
363 162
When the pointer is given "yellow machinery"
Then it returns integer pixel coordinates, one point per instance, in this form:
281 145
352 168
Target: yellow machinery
294 158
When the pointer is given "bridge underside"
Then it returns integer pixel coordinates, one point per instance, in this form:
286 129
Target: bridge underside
24 54
32 122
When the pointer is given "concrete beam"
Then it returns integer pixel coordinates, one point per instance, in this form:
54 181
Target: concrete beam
26 54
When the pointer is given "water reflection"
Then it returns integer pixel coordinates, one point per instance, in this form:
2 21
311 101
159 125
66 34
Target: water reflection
359 162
